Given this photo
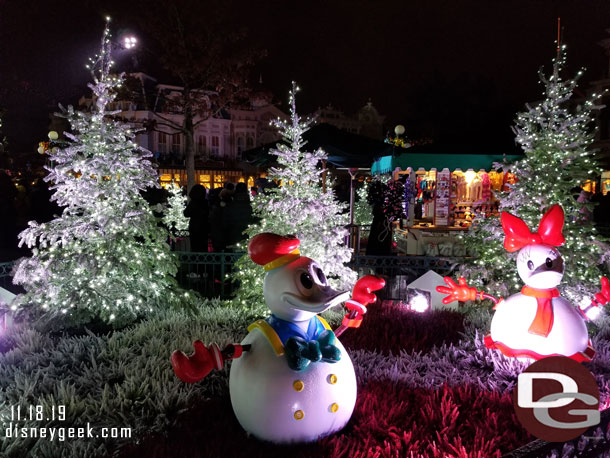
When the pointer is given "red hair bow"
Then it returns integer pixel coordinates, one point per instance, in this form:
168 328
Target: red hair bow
518 235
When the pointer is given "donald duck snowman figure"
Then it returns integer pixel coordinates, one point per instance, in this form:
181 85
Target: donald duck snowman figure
537 322
291 379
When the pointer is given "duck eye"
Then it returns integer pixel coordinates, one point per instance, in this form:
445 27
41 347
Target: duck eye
306 280
549 263
530 265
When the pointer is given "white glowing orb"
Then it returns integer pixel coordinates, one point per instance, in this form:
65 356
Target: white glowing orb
419 303
591 311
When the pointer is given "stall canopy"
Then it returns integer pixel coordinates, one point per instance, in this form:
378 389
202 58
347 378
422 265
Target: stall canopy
439 157
344 149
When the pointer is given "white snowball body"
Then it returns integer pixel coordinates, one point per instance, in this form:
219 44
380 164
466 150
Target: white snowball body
513 317
540 267
274 402
277 404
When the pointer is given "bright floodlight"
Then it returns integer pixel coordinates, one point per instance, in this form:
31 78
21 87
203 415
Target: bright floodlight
129 42
419 303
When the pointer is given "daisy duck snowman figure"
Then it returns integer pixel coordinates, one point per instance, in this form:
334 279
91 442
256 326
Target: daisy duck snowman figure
537 322
291 379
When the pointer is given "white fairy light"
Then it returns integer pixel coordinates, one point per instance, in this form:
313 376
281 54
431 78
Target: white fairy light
556 141
106 240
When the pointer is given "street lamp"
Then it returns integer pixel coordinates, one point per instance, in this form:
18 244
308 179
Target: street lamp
129 42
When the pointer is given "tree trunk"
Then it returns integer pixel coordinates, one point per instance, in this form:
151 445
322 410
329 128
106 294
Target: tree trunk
189 144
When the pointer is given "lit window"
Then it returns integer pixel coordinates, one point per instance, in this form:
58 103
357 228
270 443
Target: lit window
165 179
218 181
589 186
204 180
605 182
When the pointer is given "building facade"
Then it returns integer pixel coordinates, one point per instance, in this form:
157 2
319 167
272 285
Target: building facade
366 121
219 140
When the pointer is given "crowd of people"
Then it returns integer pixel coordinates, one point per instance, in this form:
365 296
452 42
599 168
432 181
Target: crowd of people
218 218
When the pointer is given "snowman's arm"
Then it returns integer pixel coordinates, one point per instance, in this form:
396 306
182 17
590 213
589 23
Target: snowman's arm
191 369
592 310
353 319
463 293
361 296
234 351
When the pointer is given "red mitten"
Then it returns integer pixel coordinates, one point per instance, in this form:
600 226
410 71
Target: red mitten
363 289
603 297
361 296
191 369
461 292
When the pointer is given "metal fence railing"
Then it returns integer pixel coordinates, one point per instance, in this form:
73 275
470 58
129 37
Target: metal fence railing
208 273
357 233
399 271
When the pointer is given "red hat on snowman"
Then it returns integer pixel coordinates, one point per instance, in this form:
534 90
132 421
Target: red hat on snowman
272 250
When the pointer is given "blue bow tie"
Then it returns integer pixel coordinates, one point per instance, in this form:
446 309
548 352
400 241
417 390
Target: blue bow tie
300 353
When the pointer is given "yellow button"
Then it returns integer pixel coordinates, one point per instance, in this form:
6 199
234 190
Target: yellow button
298 385
299 414
332 379
334 407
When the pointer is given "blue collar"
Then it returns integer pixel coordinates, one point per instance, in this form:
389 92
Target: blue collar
286 329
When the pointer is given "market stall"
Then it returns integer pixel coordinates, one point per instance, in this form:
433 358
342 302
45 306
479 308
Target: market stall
443 193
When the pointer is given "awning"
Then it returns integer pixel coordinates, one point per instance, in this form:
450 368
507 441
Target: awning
386 164
344 149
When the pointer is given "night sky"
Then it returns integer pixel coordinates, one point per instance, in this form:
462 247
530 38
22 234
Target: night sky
454 70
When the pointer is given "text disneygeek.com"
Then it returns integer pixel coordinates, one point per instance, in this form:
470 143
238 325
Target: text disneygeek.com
62 433
17 423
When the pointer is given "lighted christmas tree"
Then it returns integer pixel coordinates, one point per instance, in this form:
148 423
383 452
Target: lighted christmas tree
105 256
363 211
173 213
301 207
556 139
